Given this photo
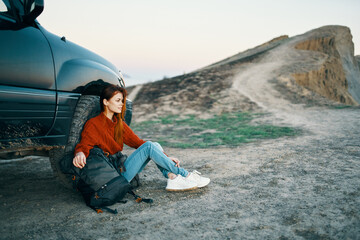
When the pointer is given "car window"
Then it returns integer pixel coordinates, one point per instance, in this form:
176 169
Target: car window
5 11
4 6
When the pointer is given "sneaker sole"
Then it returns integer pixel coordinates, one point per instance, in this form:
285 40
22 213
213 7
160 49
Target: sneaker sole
204 185
181 190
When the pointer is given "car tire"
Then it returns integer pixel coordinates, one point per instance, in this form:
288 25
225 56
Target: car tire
87 107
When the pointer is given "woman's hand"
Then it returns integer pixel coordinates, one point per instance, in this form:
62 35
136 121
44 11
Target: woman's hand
79 160
176 161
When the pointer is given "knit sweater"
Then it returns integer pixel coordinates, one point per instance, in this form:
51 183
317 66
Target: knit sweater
100 131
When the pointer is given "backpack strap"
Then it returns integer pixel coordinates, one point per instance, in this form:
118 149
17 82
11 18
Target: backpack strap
100 210
139 199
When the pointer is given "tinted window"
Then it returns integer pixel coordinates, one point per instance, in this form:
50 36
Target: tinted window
4 7
5 11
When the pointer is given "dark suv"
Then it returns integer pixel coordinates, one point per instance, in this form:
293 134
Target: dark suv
48 85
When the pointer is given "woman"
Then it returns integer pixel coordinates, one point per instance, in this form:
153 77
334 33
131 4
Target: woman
109 132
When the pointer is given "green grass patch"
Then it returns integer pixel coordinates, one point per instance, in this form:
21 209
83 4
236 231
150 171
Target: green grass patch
230 129
341 106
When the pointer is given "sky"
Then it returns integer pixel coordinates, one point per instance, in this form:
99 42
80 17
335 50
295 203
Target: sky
148 40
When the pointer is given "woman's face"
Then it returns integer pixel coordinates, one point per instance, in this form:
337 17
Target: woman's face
114 104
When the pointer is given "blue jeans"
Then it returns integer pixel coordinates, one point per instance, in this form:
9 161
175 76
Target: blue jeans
136 162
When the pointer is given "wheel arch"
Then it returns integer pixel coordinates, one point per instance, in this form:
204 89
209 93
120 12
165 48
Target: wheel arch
86 77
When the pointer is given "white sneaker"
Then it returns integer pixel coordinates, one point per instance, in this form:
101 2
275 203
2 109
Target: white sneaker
180 184
201 181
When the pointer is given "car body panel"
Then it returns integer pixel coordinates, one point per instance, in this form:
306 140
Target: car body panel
42 76
26 59
76 66
25 112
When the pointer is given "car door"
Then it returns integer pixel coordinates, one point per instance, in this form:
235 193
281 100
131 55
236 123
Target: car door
27 81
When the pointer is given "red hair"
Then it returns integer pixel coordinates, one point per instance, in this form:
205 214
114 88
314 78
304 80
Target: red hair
107 93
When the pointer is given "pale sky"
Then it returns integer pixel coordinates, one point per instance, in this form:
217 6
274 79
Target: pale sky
150 39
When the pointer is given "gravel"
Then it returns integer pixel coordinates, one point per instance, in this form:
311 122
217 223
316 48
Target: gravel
304 187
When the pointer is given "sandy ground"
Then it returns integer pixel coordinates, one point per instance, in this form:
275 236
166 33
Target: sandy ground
307 187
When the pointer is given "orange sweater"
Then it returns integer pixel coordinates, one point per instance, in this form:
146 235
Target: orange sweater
100 131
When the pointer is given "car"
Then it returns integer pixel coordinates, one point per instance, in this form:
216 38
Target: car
49 86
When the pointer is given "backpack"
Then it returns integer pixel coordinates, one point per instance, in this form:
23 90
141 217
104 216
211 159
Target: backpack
66 166
100 181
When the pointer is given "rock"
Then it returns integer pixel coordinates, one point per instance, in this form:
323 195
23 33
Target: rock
338 78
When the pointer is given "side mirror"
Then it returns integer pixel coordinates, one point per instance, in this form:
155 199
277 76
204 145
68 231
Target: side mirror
32 9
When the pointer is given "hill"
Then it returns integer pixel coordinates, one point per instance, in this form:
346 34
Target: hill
314 68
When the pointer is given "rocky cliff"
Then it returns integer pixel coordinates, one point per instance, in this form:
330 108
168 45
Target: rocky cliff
338 78
318 67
